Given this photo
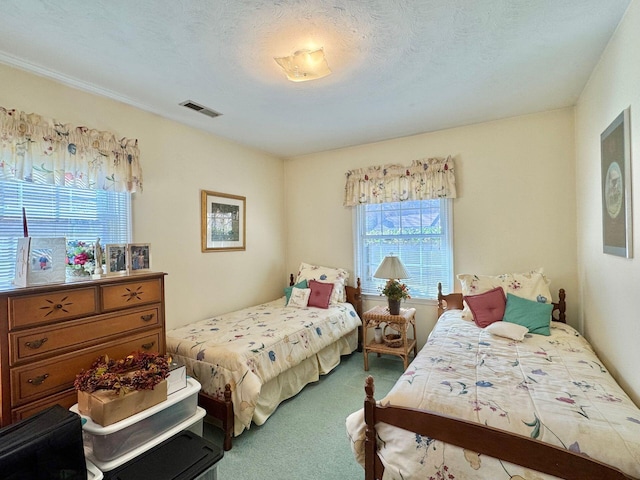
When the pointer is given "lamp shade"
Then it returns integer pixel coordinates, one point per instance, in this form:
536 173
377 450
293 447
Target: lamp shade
391 267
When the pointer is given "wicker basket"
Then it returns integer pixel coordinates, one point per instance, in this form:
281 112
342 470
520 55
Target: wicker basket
393 340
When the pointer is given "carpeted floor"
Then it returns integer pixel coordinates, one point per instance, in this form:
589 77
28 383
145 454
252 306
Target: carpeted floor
306 437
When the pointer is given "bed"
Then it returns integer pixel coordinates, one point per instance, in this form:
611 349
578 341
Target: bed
250 360
473 404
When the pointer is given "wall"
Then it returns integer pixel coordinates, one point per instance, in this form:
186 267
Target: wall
515 211
609 284
178 162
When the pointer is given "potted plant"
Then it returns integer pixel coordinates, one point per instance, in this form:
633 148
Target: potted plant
395 291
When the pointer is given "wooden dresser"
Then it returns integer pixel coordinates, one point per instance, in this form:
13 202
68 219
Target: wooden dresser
49 333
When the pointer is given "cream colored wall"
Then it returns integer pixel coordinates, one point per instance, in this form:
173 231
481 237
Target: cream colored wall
515 211
178 161
609 284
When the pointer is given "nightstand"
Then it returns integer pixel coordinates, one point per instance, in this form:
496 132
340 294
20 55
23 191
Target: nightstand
397 325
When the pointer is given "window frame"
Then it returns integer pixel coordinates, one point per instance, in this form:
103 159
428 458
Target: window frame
371 286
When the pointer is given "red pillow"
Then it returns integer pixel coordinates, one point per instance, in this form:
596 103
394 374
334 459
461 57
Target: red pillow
488 307
320 294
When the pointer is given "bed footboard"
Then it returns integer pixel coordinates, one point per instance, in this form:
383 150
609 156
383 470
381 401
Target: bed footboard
513 448
221 411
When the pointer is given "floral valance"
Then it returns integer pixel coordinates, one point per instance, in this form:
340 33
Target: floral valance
422 180
41 150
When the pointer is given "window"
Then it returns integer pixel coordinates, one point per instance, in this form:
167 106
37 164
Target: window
53 211
419 232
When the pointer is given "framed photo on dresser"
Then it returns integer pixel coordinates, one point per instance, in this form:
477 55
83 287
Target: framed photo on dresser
116 259
139 257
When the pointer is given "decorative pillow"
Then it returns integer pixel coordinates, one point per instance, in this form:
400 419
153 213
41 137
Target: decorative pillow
287 290
532 285
508 330
488 307
299 297
336 276
320 294
535 316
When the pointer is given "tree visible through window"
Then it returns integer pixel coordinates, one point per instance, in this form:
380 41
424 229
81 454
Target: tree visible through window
418 232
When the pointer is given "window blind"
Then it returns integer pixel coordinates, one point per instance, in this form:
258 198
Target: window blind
53 211
419 232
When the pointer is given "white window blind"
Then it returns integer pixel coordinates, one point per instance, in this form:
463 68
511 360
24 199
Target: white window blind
53 211
419 232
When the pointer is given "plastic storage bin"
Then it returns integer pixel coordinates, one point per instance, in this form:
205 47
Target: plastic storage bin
110 442
92 472
193 424
184 456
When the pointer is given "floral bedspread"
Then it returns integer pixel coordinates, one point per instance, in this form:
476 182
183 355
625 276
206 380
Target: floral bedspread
554 389
249 347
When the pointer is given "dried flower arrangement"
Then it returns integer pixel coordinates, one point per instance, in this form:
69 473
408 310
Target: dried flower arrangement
138 371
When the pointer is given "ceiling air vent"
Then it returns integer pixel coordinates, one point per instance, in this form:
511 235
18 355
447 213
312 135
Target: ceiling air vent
199 108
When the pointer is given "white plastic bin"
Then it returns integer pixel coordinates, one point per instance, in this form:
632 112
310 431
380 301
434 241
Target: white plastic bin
92 472
110 442
193 424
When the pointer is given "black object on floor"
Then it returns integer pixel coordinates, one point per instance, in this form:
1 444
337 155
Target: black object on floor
45 446
185 456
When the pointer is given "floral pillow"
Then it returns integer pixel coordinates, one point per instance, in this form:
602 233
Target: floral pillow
532 285
337 276
299 297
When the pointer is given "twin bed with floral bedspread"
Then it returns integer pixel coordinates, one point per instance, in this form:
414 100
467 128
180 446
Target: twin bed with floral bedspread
250 360
468 392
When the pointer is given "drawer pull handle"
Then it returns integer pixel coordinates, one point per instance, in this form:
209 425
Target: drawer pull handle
36 343
147 317
39 380
148 346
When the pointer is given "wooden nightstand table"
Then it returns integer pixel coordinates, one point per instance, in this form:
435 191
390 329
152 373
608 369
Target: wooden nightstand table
399 324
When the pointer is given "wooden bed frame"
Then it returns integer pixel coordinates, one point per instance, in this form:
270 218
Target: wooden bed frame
510 447
221 411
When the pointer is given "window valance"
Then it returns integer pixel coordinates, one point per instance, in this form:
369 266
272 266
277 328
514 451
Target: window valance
43 151
422 180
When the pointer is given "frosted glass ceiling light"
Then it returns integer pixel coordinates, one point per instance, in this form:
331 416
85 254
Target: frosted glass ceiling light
304 65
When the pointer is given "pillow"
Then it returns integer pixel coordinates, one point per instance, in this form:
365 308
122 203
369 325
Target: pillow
532 285
488 307
299 297
287 290
320 294
336 276
535 316
508 330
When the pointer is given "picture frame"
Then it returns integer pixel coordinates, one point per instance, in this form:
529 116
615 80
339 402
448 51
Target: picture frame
116 259
40 261
139 255
223 221
615 160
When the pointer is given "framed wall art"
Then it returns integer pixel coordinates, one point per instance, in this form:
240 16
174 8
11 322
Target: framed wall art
615 159
116 258
223 221
139 257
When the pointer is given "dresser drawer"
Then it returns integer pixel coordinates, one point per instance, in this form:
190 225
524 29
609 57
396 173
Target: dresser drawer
51 307
47 377
131 294
67 399
35 343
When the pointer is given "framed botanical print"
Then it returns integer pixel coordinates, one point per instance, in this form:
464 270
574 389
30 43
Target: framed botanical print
223 221
615 159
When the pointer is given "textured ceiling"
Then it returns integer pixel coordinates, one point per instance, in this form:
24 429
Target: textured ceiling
400 67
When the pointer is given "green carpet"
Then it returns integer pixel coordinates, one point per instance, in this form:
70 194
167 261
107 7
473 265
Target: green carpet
306 437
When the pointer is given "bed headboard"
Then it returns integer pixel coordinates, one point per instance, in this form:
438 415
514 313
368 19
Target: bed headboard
453 301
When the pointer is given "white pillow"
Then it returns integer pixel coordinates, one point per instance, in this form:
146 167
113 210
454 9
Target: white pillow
532 285
299 297
337 276
507 329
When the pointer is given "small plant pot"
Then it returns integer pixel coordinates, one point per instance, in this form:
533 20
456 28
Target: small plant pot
394 307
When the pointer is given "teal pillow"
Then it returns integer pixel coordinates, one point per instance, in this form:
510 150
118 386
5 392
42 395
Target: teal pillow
533 315
287 290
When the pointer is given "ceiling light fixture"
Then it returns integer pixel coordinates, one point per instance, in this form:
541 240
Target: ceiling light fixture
304 65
